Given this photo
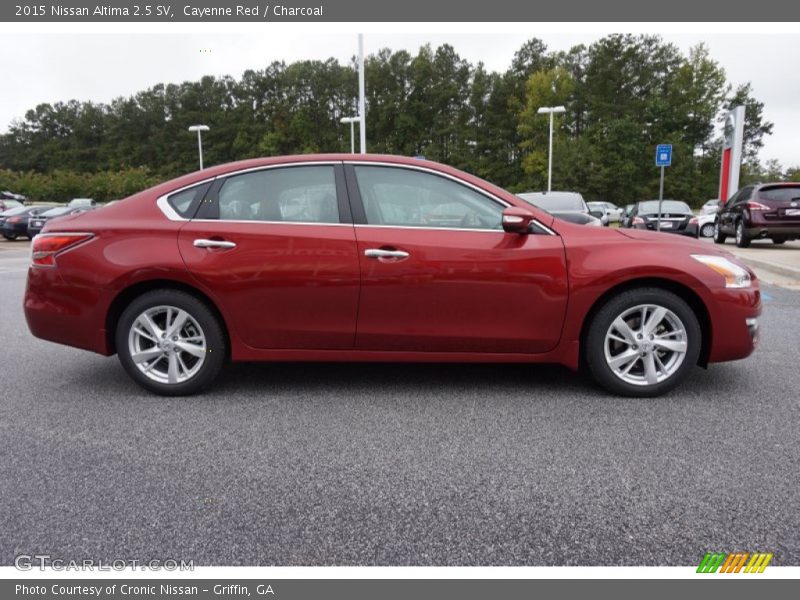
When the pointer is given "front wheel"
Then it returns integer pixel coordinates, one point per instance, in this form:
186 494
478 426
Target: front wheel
11 238
170 342
643 342
707 230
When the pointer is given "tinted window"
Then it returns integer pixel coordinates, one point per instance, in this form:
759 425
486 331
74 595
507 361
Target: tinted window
410 198
290 194
668 206
784 193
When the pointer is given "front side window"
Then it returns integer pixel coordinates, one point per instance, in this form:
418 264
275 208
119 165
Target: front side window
286 194
411 198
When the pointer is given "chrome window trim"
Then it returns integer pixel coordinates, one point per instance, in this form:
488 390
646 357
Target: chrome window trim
171 214
362 225
271 222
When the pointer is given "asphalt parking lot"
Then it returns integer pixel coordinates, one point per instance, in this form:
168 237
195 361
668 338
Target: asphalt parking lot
396 464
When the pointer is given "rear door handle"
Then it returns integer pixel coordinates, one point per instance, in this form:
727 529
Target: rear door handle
379 253
202 243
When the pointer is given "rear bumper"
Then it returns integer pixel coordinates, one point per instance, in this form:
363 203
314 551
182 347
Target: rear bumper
773 229
65 314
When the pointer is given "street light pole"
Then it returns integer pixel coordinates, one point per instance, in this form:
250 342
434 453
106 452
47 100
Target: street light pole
200 129
361 101
551 110
352 121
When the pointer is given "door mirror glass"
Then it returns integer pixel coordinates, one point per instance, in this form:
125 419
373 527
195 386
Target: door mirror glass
517 220
597 214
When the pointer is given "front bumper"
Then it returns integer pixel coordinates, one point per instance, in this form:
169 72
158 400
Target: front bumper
734 323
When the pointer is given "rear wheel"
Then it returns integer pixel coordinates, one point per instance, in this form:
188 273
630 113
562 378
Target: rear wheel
707 230
778 241
10 237
643 342
742 239
170 342
719 237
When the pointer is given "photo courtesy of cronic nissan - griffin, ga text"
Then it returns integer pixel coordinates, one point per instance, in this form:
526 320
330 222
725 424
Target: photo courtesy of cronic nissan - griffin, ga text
378 258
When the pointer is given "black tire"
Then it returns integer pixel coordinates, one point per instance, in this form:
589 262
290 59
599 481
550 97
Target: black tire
594 348
212 329
742 239
719 237
10 238
707 230
778 241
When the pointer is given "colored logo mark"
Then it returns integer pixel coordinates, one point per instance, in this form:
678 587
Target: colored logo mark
734 562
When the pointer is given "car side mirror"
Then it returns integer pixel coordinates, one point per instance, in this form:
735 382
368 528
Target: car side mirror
597 214
517 220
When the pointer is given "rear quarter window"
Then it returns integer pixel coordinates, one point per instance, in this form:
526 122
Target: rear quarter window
185 201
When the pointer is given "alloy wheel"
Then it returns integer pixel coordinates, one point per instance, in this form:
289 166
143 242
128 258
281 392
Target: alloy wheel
167 344
645 345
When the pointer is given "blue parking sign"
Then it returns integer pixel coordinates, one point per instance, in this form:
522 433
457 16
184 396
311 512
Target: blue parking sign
663 155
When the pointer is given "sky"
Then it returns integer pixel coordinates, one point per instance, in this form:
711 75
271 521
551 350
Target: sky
50 67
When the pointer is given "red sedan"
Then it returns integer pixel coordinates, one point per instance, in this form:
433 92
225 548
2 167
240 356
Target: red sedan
378 258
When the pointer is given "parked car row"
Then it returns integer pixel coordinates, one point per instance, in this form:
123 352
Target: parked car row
28 220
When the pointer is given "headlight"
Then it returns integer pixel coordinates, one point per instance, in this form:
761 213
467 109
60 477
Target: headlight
735 276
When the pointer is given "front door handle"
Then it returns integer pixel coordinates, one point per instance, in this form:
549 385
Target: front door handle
202 243
380 253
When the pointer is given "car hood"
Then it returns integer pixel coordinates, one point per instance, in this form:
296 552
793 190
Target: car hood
692 245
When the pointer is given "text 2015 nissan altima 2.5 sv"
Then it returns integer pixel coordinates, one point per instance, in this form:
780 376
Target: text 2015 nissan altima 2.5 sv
378 258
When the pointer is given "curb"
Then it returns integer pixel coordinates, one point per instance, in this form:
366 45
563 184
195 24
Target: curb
772 267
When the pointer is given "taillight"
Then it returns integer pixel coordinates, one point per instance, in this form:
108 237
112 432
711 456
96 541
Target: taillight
693 221
638 221
13 219
46 246
753 205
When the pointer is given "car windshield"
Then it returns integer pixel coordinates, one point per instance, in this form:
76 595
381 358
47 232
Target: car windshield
783 193
14 211
668 206
555 202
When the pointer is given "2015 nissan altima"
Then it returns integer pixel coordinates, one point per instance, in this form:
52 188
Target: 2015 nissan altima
378 258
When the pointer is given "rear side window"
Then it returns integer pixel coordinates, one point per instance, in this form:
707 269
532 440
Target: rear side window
287 194
784 193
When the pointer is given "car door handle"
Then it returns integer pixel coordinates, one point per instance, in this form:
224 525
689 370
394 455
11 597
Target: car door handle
201 243
380 253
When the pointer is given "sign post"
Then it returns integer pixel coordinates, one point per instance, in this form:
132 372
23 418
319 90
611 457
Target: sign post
663 159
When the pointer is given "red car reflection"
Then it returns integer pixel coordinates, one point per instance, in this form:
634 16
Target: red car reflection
377 258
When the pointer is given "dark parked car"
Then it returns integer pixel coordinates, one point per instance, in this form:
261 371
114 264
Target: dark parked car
676 217
14 222
768 210
568 206
35 224
359 257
